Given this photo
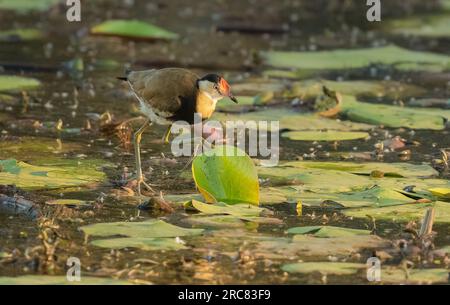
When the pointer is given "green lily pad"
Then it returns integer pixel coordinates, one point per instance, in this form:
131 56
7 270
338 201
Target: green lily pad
20 35
394 116
415 276
132 29
215 221
8 83
435 26
74 202
144 229
27 5
291 120
388 169
351 59
335 268
50 174
393 89
440 192
148 244
238 210
327 231
404 212
58 280
29 148
226 174
227 105
329 135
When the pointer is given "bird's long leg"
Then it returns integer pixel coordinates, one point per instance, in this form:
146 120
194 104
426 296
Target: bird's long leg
137 153
167 134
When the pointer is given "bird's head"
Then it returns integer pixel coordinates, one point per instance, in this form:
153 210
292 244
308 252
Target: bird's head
215 86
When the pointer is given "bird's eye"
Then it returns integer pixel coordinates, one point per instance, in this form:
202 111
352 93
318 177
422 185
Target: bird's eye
216 86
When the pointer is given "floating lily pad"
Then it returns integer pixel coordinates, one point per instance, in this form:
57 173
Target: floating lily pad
58 280
351 59
144 229
132 29
435 26
28 148
20 35
327 231
394 116
74 202
291 120
8 83
329 135
393 89
215 221
335 268
404 212
238 210
226 174
227 105
415 276
27 5
148 244
366 168
50 174
443 193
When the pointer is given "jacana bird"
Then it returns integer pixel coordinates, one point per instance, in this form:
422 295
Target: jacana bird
171 94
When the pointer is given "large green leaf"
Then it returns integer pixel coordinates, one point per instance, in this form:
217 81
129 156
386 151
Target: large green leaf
335 268
27 5
348 58
8 82
327 231
51 174
58 280
394 116
226 174
329 135
132 29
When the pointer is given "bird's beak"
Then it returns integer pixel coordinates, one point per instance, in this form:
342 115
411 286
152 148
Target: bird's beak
234 99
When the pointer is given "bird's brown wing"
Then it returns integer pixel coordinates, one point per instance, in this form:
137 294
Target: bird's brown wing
165 90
